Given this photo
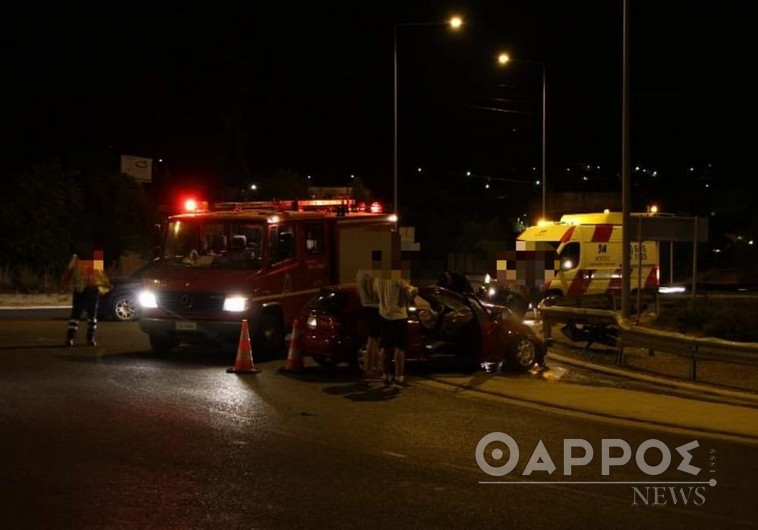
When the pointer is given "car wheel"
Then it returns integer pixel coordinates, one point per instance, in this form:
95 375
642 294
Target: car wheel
522 355
162 343
124 308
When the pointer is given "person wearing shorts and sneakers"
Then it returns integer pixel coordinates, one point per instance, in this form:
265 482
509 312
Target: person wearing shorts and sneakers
365 284
394 293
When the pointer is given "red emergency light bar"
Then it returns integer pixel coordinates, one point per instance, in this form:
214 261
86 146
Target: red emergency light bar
340 206
193 205
301 205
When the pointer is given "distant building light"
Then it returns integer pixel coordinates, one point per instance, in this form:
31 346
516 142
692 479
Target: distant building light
419 170
655 173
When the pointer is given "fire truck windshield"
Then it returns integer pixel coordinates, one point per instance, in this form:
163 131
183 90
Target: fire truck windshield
218 244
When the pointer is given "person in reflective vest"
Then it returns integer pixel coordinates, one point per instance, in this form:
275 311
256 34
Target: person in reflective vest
87 281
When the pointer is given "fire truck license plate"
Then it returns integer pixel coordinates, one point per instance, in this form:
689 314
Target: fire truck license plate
181 325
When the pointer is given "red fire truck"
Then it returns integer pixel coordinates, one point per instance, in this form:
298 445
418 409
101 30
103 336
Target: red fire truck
259 261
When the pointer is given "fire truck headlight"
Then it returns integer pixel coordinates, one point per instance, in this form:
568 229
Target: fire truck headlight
148 299
235 304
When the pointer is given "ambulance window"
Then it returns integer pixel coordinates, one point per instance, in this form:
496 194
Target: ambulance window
569 256
314 238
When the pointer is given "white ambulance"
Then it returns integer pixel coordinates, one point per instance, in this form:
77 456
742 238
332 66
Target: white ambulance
579 255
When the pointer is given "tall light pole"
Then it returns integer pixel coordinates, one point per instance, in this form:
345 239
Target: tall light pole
454 23
504 58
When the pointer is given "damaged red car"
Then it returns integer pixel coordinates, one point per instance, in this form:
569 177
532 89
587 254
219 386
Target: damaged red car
442 325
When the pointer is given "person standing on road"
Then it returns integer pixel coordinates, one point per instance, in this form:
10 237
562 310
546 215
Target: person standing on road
87 281
374 363
394 293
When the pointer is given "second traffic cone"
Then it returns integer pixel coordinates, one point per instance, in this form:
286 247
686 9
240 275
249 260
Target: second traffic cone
244 363
294 359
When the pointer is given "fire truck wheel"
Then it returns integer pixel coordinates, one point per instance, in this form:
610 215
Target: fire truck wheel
162 344
522 355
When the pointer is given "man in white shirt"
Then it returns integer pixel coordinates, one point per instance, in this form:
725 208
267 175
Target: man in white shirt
394 293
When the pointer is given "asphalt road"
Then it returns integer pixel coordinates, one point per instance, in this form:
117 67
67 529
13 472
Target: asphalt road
117 437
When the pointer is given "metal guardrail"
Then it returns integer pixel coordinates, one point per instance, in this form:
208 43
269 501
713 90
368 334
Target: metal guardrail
609 323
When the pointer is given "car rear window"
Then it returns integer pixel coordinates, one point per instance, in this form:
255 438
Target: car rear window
328 301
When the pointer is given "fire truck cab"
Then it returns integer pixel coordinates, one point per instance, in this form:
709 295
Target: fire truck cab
259 262
579 255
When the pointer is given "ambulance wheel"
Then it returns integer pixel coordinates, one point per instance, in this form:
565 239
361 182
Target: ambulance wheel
162 343
522 355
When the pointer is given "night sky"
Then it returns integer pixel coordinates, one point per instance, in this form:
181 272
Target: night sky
231 91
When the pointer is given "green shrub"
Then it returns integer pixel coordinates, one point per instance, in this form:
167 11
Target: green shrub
735 320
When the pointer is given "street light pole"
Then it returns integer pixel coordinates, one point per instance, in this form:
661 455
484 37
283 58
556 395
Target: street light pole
454 23
394 102
544 152
504 58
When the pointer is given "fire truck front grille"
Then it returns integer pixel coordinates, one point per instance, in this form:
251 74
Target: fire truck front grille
179 302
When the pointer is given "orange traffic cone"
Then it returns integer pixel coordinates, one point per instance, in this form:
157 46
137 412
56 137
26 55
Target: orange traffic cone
294 359
244 363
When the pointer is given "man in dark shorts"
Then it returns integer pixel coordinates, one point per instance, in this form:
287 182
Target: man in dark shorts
394 293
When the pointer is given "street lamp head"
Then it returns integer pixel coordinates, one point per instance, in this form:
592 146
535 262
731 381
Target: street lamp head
503 58
455 22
